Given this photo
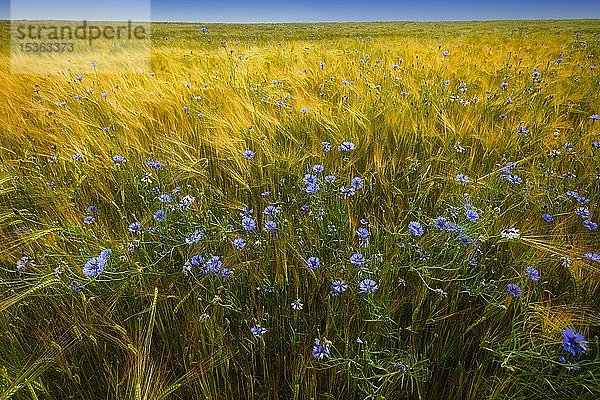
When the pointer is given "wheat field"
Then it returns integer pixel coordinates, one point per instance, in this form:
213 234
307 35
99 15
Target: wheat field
307 211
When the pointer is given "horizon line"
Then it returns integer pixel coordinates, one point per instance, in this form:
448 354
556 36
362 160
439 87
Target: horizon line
318 22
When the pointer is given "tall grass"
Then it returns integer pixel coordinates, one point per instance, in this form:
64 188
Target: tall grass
441 323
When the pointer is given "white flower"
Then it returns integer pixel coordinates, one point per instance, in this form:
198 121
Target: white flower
146 179
297 305
510 233
186 202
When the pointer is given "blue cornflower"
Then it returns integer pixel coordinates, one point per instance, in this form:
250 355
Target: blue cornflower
246 212
517 180
320 351
583 212
318 168
463 238
312 188
462 178
330 179
195 237
105 253
592 226
326 146
471 214
367 285
338 287
547 217
226 273
248 154
592 256
160 215
452 227
165 198
95 265
118 159
441 223
212 265
239 243
309 179
357 183
265 194
313 263
362 232
304 110
270 210
258 330
134 227
521 129
532 273
357 259
574 342
270 225
248 224
583 200
415 228
400 366
305 207
346 147
514 290
154 164
195 261
78 157
92 209
89 220
509 167
576 196
76 287
568 147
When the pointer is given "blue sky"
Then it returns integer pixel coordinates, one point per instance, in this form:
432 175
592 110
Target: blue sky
299 11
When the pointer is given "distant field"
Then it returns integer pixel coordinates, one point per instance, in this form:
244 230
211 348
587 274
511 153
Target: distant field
306 211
